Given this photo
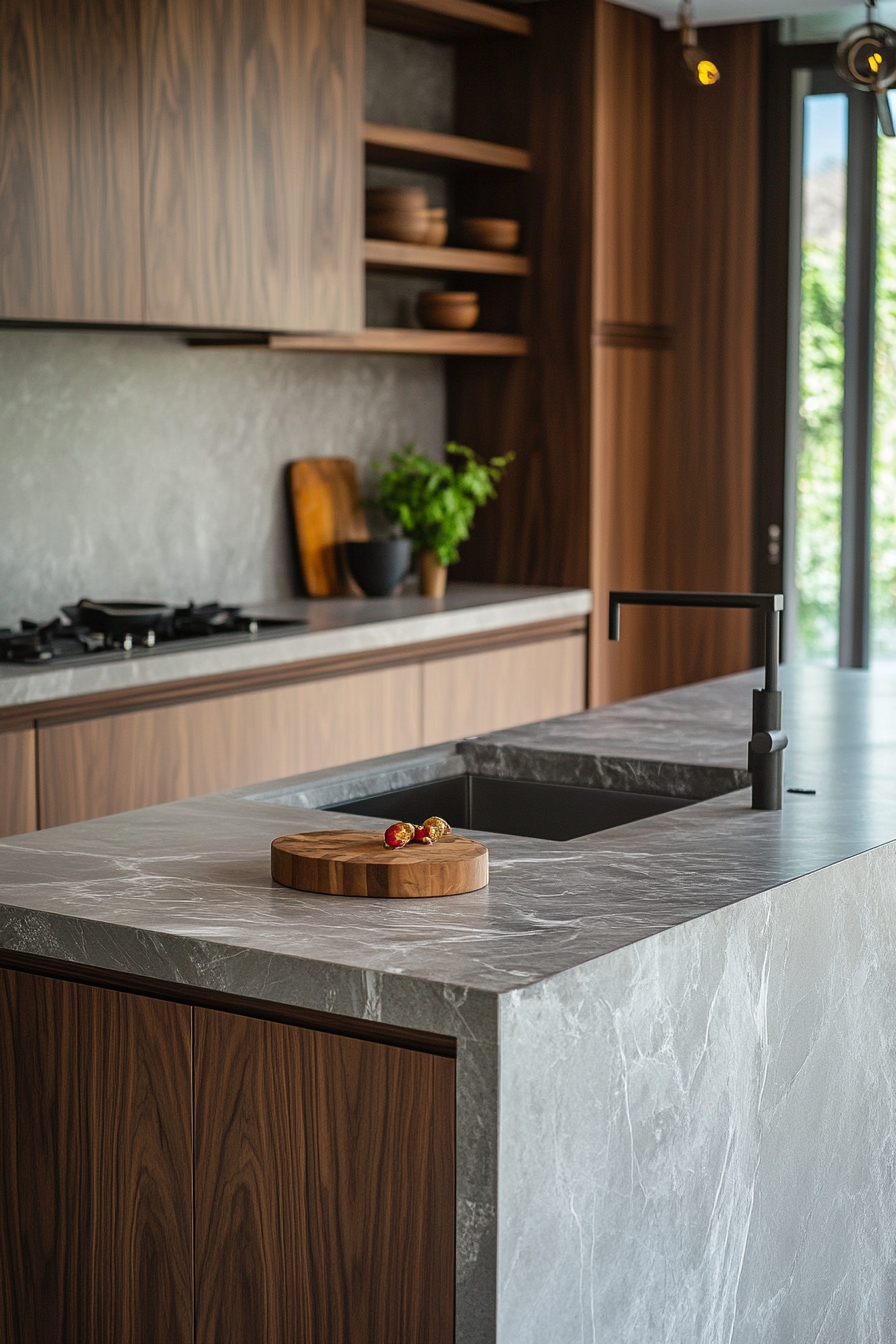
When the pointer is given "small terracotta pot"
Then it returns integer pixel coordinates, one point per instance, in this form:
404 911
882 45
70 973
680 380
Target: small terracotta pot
396 198
448 310
438 227
400 226
494 235
433 576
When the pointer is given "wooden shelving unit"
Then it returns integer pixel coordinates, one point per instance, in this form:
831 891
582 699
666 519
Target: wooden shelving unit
380 254
399 146
445 18
406 341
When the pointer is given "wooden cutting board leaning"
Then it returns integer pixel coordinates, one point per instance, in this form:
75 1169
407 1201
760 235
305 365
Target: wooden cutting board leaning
356 863
326 507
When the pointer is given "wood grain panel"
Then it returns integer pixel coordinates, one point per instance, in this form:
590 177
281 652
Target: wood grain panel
703 479
252 163
95 1165
676 239
69 161
444 18
539 528
324 1187
483 692
18 782
122 761
407 341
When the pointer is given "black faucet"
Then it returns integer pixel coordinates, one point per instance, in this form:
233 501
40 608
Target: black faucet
765 754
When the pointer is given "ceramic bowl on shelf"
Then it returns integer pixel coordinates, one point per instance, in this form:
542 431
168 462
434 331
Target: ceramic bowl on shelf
493 235
395 198
378 567
448 310
438 226
399 226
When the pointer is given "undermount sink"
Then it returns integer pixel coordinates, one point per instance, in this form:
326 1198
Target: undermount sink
513 806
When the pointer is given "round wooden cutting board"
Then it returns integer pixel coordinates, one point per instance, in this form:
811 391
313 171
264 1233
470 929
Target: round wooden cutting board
356 863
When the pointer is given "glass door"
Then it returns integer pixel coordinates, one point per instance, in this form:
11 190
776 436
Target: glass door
841 528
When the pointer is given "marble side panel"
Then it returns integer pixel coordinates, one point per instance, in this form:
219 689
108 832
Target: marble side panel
698 1133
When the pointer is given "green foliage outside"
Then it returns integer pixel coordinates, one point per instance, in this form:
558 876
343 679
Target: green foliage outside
434 502
819 466
883 506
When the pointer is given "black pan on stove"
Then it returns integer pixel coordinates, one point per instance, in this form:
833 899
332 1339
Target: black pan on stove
117 620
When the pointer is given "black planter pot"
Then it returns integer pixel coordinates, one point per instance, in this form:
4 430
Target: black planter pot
378 567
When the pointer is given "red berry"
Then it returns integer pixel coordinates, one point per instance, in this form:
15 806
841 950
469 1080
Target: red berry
422 835
398 835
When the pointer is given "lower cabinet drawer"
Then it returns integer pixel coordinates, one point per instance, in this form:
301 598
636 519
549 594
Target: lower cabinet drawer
118 762
18 782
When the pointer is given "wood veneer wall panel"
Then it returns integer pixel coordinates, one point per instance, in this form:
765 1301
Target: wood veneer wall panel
252 115
538 530
18 782
119 762
95 1165
703 481
501 688
676 211
69 161
324 1187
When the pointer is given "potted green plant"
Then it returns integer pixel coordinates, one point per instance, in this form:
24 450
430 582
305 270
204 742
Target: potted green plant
434 503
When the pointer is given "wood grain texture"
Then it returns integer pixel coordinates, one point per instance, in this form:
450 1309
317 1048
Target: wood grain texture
421 148
676 180
324 1187
407 341
444 18
326 510
18 782
538 530
355 863
122 761
69 161
252 163
501 688
381 254
95 1165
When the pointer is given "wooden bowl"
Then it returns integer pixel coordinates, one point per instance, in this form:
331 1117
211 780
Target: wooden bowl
395 198
494 235
401 226
437 231
448 310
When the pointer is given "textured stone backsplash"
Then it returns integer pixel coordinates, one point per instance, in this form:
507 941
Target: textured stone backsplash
132 465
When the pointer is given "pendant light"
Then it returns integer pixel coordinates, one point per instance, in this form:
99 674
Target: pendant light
701 68
866 59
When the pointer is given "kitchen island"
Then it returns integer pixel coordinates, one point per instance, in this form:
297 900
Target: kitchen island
673 1040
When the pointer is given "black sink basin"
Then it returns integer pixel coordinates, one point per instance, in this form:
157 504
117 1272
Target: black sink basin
514 806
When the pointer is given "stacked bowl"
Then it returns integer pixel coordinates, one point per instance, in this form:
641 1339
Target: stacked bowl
403 215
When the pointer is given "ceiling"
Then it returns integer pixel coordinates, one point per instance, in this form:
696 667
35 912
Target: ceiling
730 11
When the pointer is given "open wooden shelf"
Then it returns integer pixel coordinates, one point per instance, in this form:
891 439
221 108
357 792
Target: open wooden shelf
406 341
381 254
402 147
445 18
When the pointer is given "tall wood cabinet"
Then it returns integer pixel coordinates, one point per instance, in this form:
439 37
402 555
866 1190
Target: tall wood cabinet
177 1173
175 163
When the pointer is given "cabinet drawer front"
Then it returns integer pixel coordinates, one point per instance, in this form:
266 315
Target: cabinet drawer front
324 1187
123 761
252 163
501 688
18 782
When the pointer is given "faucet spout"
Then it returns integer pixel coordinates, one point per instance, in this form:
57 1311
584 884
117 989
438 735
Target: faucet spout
765 752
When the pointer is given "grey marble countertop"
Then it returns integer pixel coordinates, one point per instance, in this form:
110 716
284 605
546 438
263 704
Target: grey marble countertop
183 891
335 627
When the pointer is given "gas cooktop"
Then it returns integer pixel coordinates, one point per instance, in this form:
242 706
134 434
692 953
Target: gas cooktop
113 630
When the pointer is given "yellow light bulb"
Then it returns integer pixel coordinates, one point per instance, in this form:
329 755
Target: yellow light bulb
708 73
875 60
